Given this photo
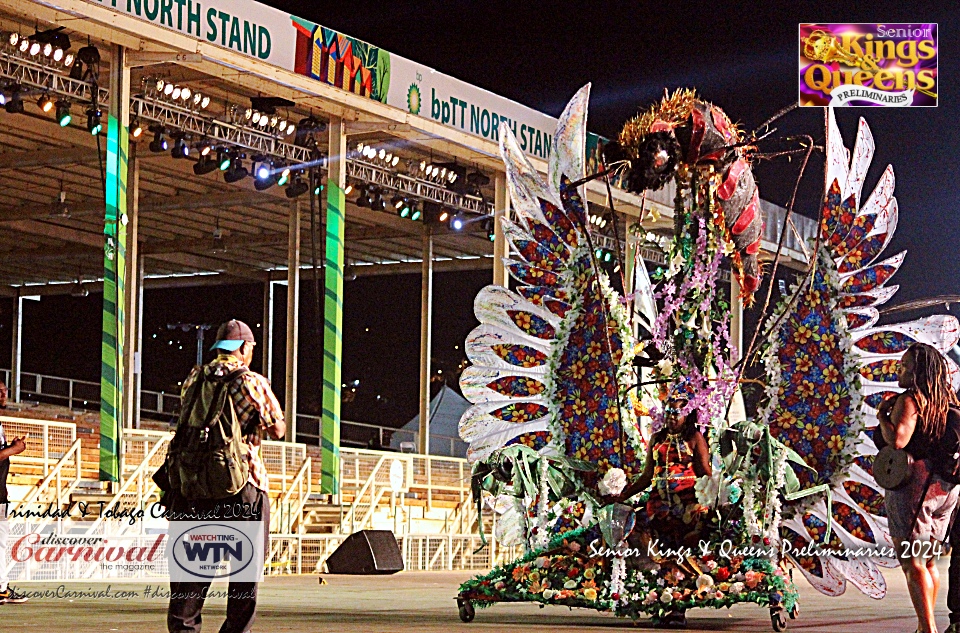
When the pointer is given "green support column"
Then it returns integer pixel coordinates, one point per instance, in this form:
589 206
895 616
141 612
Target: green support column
333 310
114 293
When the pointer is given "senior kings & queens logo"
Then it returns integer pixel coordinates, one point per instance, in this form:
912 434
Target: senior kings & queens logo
868 65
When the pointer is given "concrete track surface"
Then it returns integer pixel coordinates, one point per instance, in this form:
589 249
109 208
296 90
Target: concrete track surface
423 602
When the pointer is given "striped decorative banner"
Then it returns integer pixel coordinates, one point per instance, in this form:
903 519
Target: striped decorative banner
114 289
332 341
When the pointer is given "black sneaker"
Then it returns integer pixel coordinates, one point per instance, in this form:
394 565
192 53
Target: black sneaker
10 596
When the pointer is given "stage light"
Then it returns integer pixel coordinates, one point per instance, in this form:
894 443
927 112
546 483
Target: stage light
274 120
136 130
185 94
158 144
160 85
205 149
223 159
14 39
24 45
176 93
248 113
264 120
284 177
45 103
63 113
204 102
317 190
416 214
291 128
457 222
360 147
381 153
34 49
362 199
168 89
298 187
47 49
236 171
423 165
204 166
263 171
396 159
94 121
398 201
378 204
58 55
14 104
180 148
68 59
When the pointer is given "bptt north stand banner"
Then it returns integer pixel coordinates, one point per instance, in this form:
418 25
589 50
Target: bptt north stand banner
326 55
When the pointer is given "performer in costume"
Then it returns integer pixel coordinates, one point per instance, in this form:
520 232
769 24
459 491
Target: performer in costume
676 458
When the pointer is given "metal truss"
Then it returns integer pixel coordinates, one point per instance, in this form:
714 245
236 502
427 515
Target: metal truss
180 119
37 77
423 189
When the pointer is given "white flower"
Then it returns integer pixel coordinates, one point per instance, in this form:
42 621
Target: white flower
666 598
570 584
707 487
736 588
613 483
549 593
704 583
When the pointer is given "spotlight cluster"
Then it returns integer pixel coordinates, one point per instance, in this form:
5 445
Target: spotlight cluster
371 153
52 45
440 173
268 121
604 256
370 197
597 221
181 95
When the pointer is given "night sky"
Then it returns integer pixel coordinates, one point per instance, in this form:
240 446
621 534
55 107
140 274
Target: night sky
539 54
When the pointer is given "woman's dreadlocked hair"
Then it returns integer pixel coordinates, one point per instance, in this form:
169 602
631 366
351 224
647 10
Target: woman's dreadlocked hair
932 389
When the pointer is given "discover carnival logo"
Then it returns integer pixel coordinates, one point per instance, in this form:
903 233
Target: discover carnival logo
210 551
868 65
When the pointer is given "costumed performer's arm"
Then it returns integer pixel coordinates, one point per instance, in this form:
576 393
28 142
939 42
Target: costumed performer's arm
701 456
642 482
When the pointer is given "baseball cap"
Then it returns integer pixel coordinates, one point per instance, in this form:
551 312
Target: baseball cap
232 335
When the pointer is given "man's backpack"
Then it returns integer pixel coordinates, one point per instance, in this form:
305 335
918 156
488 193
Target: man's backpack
946 452
206 458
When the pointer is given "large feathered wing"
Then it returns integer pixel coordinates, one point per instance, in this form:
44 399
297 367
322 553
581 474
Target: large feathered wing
829 366
548 363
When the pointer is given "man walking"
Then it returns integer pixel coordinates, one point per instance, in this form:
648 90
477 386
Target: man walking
257 412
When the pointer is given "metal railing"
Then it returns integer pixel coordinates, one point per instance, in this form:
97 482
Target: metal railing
59 483
374 437
288 517
47 443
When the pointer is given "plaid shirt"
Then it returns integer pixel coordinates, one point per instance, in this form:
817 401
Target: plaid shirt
256 407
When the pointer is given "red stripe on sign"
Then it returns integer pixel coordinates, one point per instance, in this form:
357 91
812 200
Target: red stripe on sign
754 248
747 216
696 137
733 177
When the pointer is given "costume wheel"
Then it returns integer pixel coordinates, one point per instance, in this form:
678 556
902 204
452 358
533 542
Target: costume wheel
795 611
466 610
778 618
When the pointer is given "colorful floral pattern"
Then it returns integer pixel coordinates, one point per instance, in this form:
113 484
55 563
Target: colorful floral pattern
881 370
857 319
836 212
531 275
865 252
520 412
536 440
814 391
853 522
560 222
885 342
859 229
869 278
520 355
538 255
811 564
517 386
531 324
817 529
874 399
869 500
572 203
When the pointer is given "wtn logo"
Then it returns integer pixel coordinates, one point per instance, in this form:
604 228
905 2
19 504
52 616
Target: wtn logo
221 551
206 551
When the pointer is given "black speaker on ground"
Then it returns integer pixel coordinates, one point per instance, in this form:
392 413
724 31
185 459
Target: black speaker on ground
367 552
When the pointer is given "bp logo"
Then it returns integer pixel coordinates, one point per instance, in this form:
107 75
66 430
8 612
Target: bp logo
413 99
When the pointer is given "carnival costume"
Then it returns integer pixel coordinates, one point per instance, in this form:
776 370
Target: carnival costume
554 432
